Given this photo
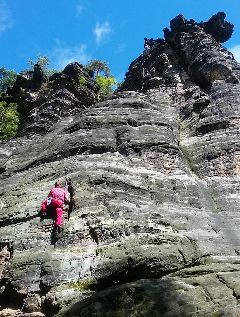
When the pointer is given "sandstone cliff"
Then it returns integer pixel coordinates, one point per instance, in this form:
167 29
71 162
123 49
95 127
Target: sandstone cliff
155 231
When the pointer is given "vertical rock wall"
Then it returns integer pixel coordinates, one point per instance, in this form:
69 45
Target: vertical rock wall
156 170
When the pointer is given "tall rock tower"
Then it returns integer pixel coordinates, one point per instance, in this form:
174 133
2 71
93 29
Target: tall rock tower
155 231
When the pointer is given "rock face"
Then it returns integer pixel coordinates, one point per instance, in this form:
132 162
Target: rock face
155 231
220 29
43 102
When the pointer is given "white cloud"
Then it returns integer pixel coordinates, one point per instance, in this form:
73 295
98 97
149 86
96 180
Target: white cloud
5 17
62 55
79 9
101 31
236 52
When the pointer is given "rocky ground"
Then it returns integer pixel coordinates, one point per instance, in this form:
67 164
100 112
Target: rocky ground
155 231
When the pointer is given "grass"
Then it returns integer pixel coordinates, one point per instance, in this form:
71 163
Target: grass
81 285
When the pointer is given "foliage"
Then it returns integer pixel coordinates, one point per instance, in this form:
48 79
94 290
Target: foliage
101 73
81 285
82 81
9 120
42 61
106 85
7 78
98 68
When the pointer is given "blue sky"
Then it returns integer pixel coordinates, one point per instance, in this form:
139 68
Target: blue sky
68 30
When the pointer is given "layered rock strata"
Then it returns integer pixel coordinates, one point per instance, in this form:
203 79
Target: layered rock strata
156 170
44 101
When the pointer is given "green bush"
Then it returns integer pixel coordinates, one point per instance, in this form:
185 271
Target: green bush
82 81
9 120
106 85
101 73
7 78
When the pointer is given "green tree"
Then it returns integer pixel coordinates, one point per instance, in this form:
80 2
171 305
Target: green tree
98 68
42 61
101 73
106 85
9 120
7 78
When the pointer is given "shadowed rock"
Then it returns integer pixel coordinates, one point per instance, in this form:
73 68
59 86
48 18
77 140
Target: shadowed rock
43 102
220 29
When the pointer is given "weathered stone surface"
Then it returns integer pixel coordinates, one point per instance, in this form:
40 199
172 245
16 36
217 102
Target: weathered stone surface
14 313
43 102
216 26
156 171
187 295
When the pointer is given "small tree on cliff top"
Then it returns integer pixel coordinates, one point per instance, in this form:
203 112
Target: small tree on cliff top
101 73
106 85
99 68
42 61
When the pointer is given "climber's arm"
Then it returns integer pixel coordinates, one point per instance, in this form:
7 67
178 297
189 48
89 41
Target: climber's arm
66 198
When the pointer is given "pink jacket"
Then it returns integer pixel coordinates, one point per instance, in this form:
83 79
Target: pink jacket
59 193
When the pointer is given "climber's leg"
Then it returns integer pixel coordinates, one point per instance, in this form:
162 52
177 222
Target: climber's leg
58 219
57 205
43 210
44 207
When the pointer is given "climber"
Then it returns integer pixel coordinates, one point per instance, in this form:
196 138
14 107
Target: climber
54 204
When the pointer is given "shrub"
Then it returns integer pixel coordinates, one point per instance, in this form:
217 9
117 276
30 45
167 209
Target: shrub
101 73
82 81
9 120
7 78
43 62
106 85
